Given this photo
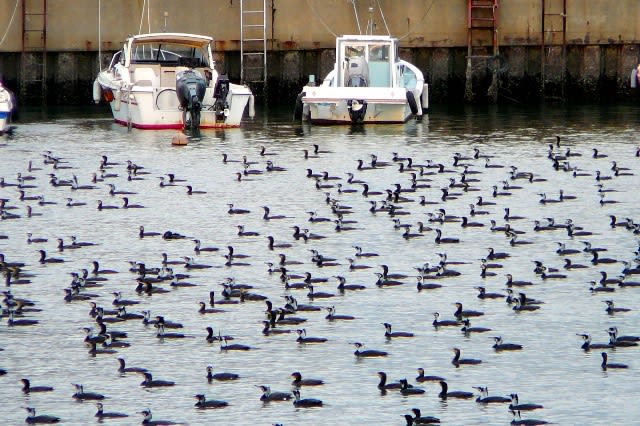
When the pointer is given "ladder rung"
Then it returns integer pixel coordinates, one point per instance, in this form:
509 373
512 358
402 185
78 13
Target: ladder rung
253 25
253 53
473 18
253 11
253 39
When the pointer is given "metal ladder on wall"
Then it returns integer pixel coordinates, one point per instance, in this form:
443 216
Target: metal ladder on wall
553 34
253 42
482 22
33 63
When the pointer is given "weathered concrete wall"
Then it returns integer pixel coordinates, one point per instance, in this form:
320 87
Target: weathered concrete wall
72 25
603 39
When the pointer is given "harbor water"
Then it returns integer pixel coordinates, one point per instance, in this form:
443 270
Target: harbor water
551 369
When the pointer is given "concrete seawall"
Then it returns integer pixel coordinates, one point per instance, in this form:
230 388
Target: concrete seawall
590 61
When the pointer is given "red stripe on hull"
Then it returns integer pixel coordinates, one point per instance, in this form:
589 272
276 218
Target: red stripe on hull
168 126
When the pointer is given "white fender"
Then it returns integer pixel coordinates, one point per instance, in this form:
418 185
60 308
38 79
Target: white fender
424 99
117 100
252 106
97 91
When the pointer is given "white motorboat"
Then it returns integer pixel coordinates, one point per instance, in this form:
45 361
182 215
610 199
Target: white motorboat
7 108
369 84
168 81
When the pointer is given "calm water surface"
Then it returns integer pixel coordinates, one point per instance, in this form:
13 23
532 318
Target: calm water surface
551 370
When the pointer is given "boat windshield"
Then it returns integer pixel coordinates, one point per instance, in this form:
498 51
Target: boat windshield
366 64
169 54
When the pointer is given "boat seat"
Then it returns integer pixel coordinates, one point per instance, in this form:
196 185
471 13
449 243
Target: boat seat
357 72
145 76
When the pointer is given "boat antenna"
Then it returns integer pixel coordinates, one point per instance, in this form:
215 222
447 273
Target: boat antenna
100 35
370 21
355 11
145 4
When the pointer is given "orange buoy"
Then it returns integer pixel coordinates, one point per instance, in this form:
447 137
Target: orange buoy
179 139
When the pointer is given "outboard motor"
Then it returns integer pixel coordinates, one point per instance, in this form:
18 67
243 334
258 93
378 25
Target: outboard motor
190 88
220 93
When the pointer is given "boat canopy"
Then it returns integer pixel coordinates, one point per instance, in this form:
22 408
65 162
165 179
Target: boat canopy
189 50
366 61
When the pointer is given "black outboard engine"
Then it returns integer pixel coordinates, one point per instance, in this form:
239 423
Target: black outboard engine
220 93
190 88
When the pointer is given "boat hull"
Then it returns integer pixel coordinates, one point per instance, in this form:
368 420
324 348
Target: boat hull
7 106
141 83
159 108
328 105
5 119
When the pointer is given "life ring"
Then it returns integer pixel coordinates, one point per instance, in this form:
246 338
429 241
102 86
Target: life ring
411 100
298 108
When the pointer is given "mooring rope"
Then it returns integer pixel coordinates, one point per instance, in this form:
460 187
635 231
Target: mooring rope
320 19
420 21
10 22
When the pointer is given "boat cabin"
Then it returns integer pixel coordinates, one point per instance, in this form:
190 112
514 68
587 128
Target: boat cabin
156 59
369 61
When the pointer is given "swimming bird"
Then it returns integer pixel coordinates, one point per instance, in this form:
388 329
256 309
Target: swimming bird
500 346
467 329
367 353
235 210
27 388
124 369
383 385
444 323
234 346
306 402
587 345
445 393
44 259
391 334
81 395
101 414
516 283
220 376
422 378
342 286
445 240
269 396
484 397
32 418
149 381
459 313
407 389
332 316
607 365
299 381
148 419
312 294
268 216
516 406
482 294
419 419
457 361
142 233
203 403
303 339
